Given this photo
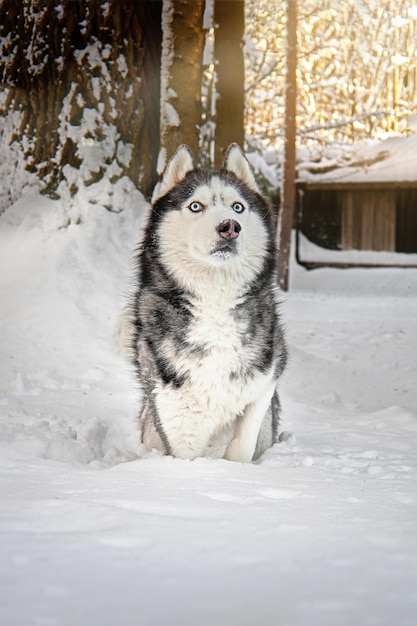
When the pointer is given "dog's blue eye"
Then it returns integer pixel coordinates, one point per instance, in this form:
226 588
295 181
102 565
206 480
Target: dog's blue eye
195 206
238 207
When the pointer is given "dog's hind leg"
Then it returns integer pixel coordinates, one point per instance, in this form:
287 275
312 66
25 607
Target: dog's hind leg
242 447
152 437
276 415
268 433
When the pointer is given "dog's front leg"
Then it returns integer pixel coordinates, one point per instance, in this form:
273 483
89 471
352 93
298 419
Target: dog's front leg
184 428
242 447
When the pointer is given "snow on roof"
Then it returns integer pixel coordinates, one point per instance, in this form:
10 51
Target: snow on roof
393 160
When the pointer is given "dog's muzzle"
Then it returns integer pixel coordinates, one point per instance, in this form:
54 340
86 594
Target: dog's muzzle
226 246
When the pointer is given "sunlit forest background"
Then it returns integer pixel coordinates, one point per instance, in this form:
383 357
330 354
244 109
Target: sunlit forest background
91 89
356 75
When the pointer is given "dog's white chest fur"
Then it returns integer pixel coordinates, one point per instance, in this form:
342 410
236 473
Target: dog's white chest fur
217 374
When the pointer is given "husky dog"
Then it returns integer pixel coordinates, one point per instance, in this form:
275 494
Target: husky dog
206 336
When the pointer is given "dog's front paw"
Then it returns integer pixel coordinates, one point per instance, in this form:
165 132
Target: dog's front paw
236 452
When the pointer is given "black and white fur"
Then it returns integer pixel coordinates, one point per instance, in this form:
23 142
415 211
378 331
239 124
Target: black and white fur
206 336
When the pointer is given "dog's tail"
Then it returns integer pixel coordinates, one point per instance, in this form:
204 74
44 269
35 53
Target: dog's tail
124 336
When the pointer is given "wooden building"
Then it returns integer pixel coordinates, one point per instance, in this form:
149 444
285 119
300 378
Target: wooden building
368 205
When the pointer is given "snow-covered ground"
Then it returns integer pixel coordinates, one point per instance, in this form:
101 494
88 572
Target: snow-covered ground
95 530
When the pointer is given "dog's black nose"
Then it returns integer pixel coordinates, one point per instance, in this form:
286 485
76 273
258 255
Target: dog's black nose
229 229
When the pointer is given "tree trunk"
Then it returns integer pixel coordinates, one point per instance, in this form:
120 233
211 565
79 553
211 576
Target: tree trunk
228 52
181 73
85 77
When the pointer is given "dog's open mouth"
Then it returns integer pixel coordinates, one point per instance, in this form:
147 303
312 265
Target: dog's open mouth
224 250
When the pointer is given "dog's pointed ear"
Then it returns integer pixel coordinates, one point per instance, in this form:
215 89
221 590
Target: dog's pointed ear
178 167
235 161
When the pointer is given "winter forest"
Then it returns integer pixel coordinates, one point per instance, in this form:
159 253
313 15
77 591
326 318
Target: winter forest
95 86
95 96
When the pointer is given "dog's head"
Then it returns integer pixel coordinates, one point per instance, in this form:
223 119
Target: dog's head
211 219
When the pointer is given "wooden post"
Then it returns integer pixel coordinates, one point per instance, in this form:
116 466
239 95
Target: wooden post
286 214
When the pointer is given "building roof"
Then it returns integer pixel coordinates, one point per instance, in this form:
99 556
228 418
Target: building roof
388 163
